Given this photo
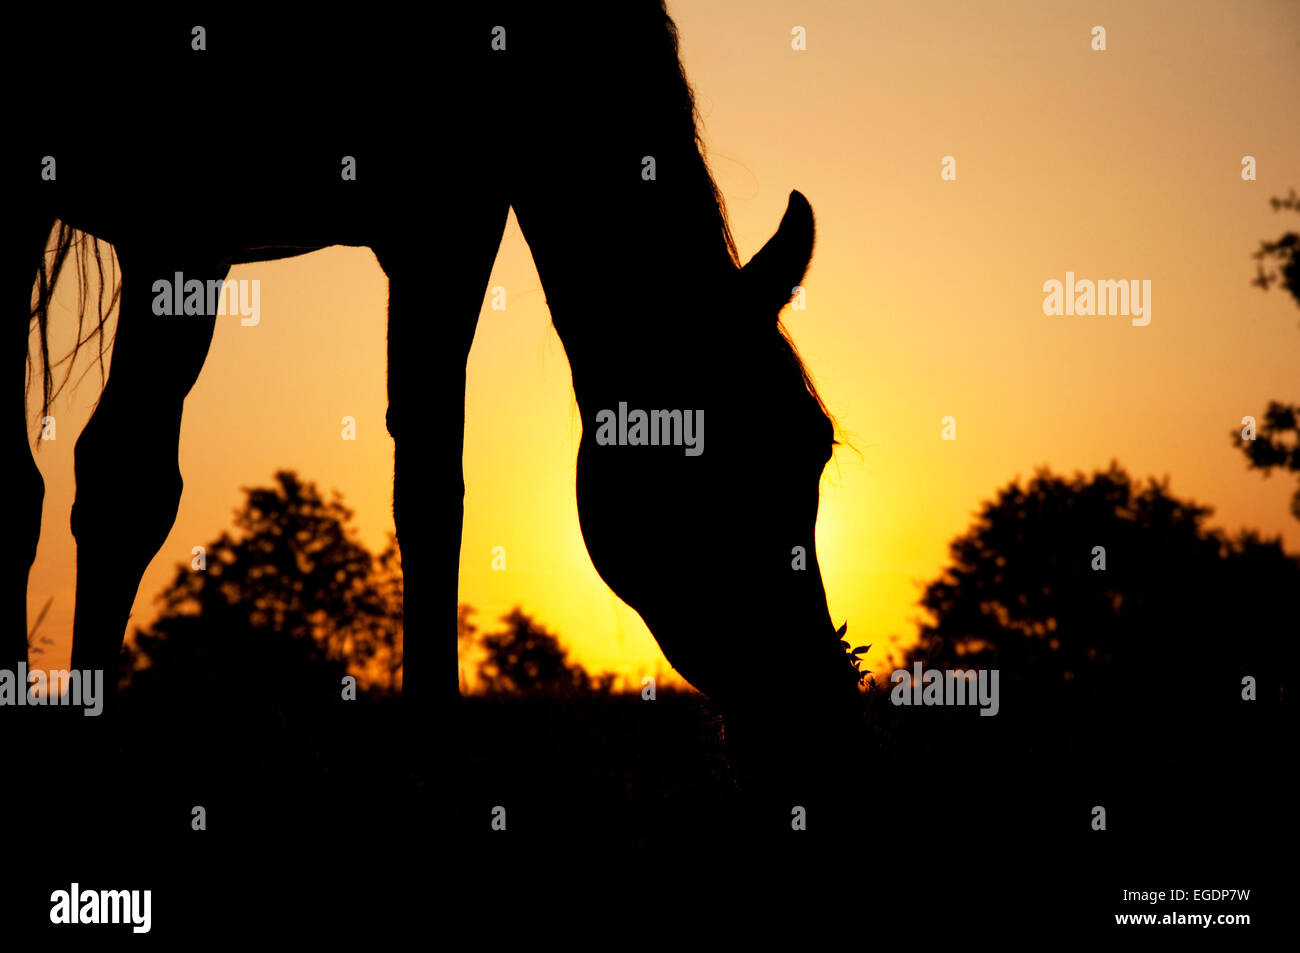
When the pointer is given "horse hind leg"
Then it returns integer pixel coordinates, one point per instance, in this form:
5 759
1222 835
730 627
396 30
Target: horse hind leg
126 461
28 487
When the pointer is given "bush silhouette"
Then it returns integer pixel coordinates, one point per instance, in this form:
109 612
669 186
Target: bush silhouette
1276 444
524 658
1164 634
288 605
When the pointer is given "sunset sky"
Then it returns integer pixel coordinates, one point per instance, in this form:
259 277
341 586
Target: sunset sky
924 299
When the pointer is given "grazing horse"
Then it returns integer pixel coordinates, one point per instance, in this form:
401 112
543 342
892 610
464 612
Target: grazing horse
703 435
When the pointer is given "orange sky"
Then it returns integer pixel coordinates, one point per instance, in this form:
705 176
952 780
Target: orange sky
924 300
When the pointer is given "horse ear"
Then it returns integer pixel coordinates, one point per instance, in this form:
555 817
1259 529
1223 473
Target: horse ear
772 275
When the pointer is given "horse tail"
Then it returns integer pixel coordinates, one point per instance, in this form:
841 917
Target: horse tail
85 251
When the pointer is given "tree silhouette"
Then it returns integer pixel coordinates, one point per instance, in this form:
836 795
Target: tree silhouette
1283 253
466 643
1277 440
290 604
1166 630
525 658
1276 444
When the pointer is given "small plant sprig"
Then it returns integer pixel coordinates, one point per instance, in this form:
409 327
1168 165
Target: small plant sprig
853 654
32 647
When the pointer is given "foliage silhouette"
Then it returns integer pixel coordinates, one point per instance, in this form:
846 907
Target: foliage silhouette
524 658
293 598
1283 252
1277 440
1163 634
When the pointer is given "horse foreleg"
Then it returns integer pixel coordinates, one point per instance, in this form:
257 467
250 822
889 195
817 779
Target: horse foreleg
128 475
426 418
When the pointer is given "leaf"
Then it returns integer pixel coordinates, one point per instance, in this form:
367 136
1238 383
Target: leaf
861 648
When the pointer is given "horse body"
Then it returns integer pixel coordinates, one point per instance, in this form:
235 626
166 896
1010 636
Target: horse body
196 160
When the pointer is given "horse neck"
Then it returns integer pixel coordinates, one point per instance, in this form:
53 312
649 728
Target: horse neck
646 307
610 189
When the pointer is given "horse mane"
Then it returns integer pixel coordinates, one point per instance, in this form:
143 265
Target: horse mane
689 112
686 107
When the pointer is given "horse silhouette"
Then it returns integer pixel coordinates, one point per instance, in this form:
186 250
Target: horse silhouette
587 127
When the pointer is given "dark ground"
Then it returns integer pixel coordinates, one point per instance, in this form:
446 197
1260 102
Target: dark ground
619 809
